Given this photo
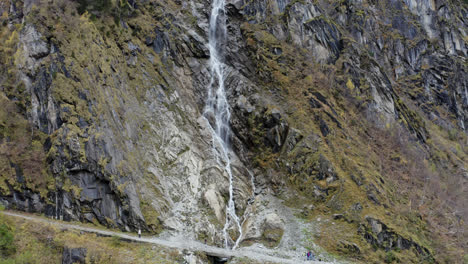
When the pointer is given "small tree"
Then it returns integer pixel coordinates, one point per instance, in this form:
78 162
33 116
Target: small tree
7 247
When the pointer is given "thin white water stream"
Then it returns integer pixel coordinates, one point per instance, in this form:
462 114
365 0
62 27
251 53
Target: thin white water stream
217 111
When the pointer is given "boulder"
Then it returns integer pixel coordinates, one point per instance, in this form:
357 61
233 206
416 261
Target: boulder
266 228
74 255
273 229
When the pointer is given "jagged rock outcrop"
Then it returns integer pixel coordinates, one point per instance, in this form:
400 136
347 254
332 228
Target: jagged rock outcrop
379 235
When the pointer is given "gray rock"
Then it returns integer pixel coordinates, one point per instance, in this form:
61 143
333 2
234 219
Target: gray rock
349 248
338 216
36 46
379 235
74 255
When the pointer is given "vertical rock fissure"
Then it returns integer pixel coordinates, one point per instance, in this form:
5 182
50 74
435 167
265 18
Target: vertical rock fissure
217 111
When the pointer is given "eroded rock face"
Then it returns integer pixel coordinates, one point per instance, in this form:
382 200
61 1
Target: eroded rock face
214 200
33 45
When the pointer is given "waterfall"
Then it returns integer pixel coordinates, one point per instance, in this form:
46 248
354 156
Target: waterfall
16 200
217 110
56 206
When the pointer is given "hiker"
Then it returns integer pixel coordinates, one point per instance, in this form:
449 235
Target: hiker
311 256
308 255
139 233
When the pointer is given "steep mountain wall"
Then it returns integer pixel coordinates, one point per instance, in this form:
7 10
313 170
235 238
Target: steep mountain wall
350 116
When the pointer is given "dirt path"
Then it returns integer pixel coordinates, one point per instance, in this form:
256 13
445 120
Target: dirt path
175 242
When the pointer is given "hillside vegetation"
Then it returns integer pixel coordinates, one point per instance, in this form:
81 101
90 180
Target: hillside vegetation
352 114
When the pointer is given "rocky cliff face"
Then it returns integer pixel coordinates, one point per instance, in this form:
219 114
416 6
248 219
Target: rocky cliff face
350 116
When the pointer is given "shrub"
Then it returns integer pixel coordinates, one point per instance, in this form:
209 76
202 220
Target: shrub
390 257
96 5
453 133
116 242
7 247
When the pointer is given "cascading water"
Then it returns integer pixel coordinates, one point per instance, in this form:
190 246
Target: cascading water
217 110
